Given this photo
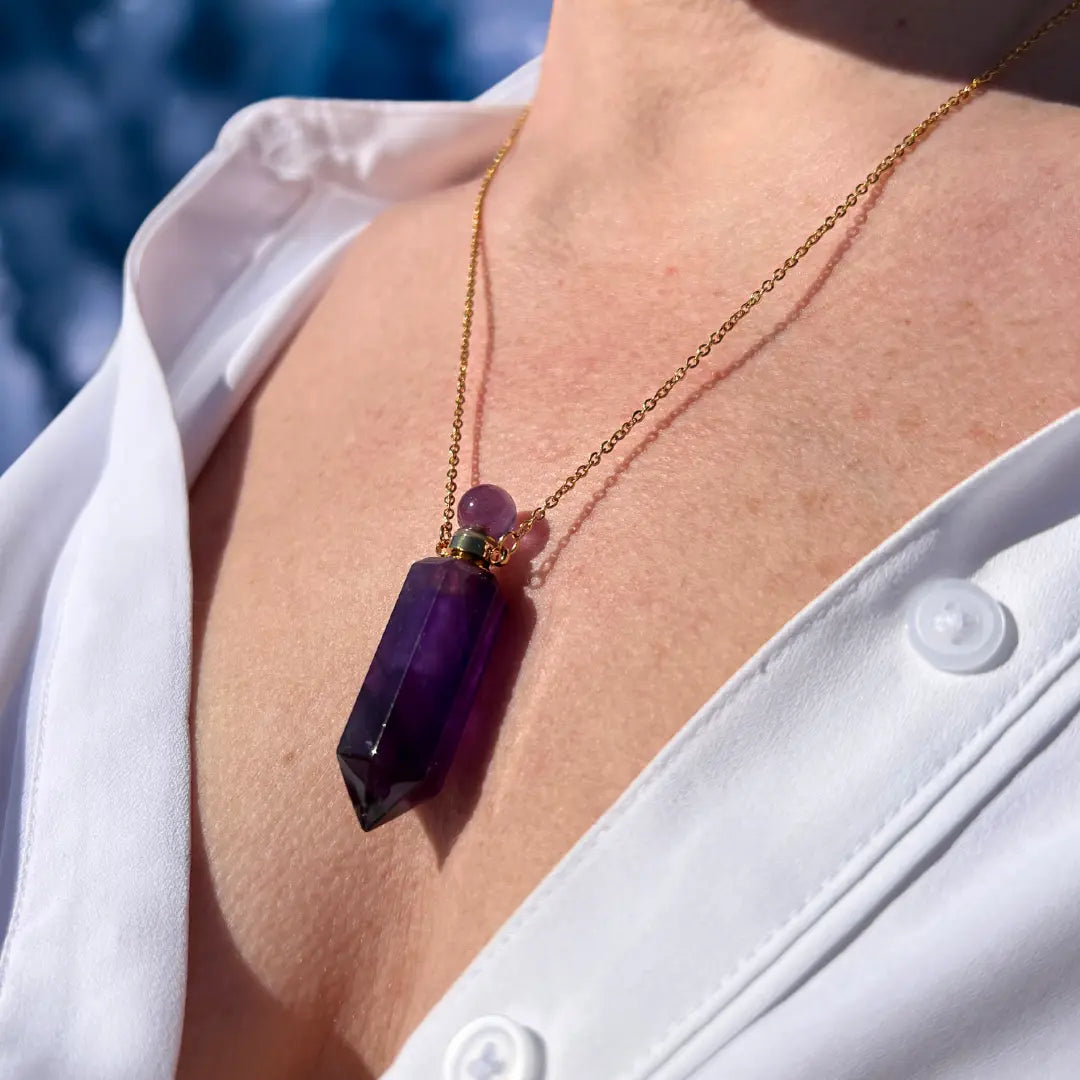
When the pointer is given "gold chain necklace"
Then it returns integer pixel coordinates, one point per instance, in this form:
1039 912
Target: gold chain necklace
501 553
411 710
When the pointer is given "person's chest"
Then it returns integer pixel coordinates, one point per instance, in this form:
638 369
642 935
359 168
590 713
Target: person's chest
907 364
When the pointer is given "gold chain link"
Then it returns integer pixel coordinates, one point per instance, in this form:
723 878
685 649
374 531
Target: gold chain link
446 530
508 543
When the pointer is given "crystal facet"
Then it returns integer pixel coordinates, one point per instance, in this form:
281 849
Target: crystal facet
488 508
401 736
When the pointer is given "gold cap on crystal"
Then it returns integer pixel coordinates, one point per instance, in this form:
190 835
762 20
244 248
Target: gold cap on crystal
471 545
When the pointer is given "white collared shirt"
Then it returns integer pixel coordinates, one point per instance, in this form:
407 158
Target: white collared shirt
860 859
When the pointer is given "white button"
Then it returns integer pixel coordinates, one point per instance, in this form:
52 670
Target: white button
493 1048
957 626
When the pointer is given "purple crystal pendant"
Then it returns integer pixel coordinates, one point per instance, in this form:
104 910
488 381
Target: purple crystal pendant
403 732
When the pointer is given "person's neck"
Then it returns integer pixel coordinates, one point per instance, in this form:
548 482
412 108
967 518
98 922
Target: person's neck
658 76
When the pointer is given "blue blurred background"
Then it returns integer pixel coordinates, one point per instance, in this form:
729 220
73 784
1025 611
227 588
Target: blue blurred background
105 104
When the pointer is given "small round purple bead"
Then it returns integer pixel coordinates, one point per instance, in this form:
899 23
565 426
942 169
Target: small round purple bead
488 508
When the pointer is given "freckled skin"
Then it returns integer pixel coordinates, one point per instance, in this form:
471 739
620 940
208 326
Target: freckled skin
315 950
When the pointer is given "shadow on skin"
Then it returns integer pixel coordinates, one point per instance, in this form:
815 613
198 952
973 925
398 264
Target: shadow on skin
228 1010
445 817
931 38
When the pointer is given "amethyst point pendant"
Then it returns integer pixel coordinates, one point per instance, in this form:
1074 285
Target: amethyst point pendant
405 727
409 716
